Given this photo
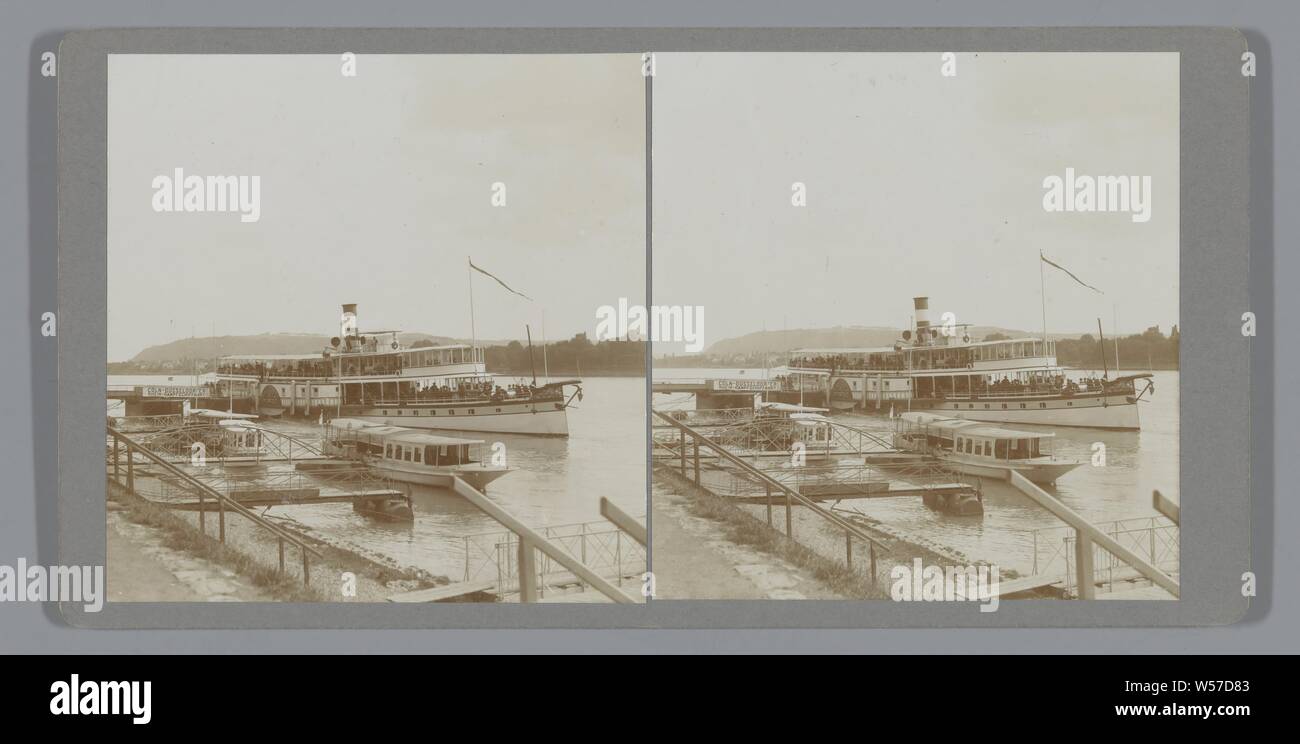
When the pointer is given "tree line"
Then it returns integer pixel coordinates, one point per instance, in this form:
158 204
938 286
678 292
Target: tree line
1150 349
576 356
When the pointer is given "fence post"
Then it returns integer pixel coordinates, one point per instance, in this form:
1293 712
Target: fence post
1035 552
681 449
789 516
871 548
848 549
503 566
203 510
281 541
306 568
768 488
527 571
221 520
695 441
116 467
130 469
1083 565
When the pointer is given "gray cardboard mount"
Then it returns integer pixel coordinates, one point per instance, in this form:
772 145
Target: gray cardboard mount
1214 269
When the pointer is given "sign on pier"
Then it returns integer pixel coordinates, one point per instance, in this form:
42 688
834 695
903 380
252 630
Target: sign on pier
745 386
172 391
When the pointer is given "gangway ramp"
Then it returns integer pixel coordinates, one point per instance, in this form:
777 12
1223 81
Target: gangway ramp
448 593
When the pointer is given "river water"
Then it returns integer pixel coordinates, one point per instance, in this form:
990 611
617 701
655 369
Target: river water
1136 463
556 481
560 481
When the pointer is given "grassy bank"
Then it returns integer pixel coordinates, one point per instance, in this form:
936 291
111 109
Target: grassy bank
180 535
744 529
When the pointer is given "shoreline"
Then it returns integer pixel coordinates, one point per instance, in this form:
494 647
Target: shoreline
250 558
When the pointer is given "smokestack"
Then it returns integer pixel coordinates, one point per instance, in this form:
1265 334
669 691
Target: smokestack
348 323
922 307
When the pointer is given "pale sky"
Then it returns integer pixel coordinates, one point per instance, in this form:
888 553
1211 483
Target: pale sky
374 189
917 184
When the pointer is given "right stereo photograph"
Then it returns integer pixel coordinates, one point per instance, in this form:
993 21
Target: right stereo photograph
941 358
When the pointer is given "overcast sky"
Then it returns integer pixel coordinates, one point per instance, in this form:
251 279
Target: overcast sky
917 184
374 189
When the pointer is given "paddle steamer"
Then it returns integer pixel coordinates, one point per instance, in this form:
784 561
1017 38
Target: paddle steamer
943 370
371 376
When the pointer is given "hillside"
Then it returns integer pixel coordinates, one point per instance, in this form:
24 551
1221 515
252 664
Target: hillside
769 342
211 347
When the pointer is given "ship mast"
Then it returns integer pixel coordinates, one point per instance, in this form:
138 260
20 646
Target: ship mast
473 335
1114 329
1042 293
531 363
1105 373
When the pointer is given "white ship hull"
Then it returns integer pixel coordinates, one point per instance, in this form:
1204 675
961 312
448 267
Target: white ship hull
1111 412
539 419
1038 472
477 476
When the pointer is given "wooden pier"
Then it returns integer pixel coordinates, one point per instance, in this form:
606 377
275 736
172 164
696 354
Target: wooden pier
866 490
292 497
460 591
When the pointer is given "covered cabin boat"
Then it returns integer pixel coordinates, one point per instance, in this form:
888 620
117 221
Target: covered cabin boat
981 449
411 455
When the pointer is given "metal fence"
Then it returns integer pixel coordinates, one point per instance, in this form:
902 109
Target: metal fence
139 424
601 547
1154 538
150 476
707 417
692 442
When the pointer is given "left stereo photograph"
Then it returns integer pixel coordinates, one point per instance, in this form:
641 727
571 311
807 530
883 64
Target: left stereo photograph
352 340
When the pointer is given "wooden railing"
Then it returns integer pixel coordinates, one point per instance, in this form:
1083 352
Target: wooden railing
221 502
771 486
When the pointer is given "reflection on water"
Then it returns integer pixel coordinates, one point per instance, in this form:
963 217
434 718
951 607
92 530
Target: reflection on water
555 481
1136 463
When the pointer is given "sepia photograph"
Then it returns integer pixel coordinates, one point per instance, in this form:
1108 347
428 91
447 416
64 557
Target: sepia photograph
352 328
942 350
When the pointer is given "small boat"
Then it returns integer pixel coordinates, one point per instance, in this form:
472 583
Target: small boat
242 443
409 455
782 425
386 508
976 448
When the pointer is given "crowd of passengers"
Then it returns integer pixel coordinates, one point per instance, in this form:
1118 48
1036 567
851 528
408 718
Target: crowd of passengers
304 368
841 362
469 392
1054 384
307 368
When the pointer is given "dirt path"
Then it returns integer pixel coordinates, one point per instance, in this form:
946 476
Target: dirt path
141 568
693 559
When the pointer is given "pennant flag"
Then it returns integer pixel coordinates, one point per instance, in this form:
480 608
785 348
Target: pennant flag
1072 276
498 280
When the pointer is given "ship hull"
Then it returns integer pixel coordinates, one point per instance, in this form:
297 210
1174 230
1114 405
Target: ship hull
1117 412
478 477
547 418
1038 472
